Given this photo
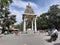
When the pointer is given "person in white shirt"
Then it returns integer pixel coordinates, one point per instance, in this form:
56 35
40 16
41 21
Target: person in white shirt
54 31
54 34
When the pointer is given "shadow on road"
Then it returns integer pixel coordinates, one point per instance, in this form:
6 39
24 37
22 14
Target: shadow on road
48 40
57 44
47 35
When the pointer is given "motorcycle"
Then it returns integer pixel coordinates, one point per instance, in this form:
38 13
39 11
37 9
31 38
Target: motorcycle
54 37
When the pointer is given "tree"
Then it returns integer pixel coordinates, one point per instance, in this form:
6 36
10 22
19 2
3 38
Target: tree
10 21
42 21
5 15
50 18
54 13
19 26
6 2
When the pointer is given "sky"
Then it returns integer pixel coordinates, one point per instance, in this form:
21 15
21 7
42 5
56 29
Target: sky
39 6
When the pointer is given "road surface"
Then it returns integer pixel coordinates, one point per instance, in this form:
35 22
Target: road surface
27 39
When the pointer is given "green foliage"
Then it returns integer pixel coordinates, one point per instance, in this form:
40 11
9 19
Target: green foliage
42 21
19 26
5 14
55 15
53 18
6 2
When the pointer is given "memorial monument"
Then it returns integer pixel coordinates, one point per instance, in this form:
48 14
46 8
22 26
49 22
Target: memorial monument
29 15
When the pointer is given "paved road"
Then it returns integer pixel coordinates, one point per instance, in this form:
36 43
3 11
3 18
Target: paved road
26 39
45 37
23 39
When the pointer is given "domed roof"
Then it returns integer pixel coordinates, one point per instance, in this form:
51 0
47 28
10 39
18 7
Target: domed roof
29 10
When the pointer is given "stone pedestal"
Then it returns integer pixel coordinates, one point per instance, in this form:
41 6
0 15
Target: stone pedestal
29 31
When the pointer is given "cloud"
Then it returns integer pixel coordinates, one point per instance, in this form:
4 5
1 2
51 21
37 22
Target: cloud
18 8
59 6
22 4
18 15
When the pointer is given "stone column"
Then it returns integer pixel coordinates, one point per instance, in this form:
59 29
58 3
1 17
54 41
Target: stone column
24 25
32 24
35 26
